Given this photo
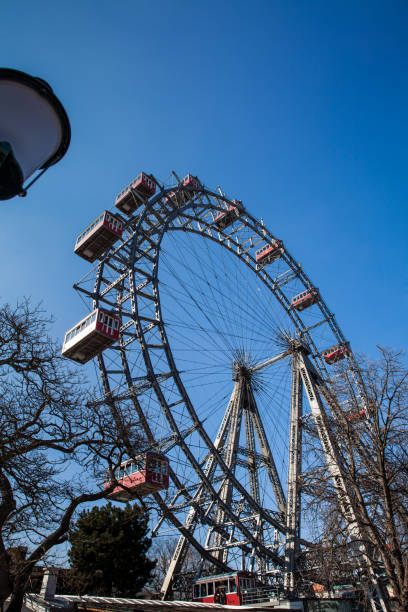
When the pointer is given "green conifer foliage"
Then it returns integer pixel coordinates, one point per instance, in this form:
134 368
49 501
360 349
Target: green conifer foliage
108 551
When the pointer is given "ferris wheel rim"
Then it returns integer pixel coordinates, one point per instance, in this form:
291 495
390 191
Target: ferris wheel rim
138 227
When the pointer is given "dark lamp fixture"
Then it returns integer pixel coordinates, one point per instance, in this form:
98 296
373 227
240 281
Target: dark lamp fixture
34 130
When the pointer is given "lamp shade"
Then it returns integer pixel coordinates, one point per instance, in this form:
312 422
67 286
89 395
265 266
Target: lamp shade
34 129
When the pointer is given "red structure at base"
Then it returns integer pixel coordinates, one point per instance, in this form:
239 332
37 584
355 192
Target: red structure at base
228 589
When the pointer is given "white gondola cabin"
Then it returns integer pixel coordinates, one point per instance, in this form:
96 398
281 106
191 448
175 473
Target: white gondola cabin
174 198
182 196
135 194
192 183
336 353
99 236
269 252
92 335
138 477
224 219
305 299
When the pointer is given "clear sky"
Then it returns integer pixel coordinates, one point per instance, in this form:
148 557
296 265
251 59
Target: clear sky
297 108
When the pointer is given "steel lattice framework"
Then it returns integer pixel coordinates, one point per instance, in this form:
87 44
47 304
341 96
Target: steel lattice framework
201 362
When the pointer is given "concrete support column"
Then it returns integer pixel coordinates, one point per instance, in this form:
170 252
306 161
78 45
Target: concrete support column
49 583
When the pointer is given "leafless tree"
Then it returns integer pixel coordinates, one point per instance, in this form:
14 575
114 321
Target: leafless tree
369 407
55 444
162 550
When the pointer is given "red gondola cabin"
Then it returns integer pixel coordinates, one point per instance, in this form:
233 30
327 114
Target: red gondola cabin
99 236
269 252
135 194
336 353
139 477
305 299
224 219
356 416
92 335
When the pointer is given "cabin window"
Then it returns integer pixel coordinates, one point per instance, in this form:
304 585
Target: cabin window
100 318
115 324
196 590
203 590
164 468
210 587
232 585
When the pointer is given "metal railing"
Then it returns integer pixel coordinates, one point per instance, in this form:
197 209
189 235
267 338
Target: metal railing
261 594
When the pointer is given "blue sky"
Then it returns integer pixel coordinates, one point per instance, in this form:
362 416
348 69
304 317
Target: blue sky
297 108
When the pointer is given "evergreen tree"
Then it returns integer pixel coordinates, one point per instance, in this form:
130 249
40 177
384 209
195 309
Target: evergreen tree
108 551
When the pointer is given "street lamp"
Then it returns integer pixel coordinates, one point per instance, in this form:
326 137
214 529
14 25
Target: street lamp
34 130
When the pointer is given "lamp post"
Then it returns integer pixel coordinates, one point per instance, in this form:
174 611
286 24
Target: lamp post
34 130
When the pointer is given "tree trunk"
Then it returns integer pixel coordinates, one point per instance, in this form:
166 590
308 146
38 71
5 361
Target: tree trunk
19 590
16 602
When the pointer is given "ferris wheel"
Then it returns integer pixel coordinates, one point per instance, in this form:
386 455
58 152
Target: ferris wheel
222 346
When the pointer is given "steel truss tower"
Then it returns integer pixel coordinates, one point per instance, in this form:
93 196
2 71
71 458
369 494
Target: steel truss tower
242 413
